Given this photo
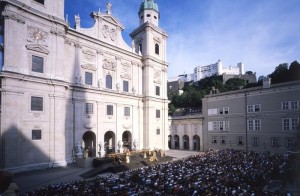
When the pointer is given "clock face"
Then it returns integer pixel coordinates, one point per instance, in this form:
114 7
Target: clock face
37 35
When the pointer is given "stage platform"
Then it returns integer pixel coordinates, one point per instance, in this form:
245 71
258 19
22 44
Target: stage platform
109 164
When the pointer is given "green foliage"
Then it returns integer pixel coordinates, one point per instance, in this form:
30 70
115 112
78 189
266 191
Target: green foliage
294 71
234 84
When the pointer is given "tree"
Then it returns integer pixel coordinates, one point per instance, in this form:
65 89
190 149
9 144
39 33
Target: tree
234 84
280 74
294 71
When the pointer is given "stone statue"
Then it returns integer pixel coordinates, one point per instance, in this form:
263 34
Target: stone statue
118 86
109 5
77 21
135 144
79 152
100 146
99 83
134 90
120 145
78 78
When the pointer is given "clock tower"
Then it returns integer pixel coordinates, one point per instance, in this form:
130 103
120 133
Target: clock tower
150 42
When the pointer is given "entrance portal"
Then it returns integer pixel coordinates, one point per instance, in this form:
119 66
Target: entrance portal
176 139
196 143
126 139
89 139
109 142
170 141
186 142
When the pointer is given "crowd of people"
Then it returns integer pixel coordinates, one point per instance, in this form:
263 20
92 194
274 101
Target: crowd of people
225 172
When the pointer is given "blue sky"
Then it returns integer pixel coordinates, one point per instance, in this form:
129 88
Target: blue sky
260 33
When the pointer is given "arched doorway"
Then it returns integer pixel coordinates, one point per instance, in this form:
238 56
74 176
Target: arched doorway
126 139
186 142
109 142
176 139
170 141
89 139
196 143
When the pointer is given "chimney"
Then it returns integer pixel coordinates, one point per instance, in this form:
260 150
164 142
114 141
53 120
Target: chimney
266 82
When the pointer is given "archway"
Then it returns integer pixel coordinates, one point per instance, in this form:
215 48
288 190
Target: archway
126 139
196 143
89 139
186 142
109 142
170 141
176 139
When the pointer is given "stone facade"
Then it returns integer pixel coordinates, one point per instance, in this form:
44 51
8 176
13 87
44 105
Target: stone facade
61 87
256 119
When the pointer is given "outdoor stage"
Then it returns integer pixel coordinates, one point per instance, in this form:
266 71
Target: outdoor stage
116 163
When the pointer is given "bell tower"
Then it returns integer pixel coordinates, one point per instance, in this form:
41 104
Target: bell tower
150 42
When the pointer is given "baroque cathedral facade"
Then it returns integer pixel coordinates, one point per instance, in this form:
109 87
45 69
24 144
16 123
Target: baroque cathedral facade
63 86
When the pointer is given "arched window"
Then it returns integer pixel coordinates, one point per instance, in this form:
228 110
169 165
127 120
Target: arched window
140 48
108 82
156 49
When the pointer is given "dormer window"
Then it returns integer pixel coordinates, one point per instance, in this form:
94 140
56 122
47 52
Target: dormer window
40 1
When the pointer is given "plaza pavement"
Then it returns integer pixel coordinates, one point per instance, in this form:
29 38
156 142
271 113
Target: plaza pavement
28 181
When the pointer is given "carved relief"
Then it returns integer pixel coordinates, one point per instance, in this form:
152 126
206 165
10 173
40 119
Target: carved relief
89 67
37 48
113 34
105 31
157 39
89 55
109 64
37 35
126 76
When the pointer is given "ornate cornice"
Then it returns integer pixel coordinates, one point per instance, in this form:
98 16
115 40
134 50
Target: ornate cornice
9 15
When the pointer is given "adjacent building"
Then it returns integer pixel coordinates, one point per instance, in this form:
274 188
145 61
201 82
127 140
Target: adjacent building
62 87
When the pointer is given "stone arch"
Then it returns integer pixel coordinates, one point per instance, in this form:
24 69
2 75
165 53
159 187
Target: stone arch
196 143
186 142
127 139
177 141
109 142
89 140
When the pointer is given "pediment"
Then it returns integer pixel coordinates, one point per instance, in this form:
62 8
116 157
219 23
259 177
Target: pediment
37 48
110 19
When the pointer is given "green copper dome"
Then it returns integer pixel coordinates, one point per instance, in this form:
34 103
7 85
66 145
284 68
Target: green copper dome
149 5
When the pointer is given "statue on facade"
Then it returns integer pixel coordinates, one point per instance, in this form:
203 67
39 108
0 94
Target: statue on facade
77 21
118 87
134 90
135 144
79 150
120 145
78 79
109 5
100 84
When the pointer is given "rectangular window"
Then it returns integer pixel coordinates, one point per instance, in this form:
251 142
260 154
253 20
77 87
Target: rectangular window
250 108
290 123
253 108
157 90
275 142
89 108
125 86
36 134
212 111
226 110
220 110
157 113
257 108
286 124
255 141
256 125
250 125
126 111
109 110
226 125
285 105
221 125
214 140
294 105
36 103
37 64
223 140
157 131
88 78
240 141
